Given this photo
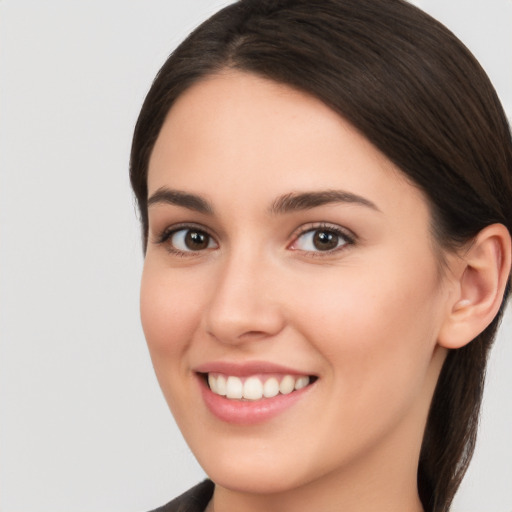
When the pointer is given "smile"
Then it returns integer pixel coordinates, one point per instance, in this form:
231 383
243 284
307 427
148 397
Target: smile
255 387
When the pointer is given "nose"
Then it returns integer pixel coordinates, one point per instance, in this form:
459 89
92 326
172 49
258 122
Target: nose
244 305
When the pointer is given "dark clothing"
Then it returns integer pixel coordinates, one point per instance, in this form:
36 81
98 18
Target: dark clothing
194 500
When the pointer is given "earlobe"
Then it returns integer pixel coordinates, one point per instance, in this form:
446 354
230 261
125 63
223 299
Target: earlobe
483 272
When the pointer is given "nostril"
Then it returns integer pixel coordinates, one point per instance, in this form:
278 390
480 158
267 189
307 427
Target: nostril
238 313
230 334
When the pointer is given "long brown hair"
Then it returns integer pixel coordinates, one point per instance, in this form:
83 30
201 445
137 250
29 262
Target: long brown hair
413 89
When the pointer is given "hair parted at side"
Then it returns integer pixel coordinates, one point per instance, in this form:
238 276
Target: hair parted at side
414 90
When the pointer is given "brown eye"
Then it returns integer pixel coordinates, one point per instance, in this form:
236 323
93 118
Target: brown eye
196 240
321 240
189 240
325 240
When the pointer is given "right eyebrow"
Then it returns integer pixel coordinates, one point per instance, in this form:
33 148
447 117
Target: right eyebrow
193 202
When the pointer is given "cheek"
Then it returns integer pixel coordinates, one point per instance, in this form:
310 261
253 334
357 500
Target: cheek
170 313
377 329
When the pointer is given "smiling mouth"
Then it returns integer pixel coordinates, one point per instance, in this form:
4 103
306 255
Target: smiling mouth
255 387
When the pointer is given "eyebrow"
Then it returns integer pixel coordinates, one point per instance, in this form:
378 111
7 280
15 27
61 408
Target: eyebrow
307 200
193 202
295 201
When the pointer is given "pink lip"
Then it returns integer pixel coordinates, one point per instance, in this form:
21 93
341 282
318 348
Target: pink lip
246 369
241 412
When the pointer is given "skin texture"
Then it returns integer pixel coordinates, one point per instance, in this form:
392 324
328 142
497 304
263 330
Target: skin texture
364 318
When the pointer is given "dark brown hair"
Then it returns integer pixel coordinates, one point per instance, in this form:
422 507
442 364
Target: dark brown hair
413 89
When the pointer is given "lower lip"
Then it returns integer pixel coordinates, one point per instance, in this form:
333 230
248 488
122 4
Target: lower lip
247 412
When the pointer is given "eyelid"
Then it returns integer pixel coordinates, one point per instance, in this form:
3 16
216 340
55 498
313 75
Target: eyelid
163 236
346 234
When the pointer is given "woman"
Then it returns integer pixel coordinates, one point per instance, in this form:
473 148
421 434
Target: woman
325 192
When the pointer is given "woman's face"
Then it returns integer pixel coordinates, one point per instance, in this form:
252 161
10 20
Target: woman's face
285 250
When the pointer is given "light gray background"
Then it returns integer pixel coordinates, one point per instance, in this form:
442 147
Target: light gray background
83 426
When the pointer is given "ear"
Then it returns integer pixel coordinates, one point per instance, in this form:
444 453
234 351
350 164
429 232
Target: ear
481 275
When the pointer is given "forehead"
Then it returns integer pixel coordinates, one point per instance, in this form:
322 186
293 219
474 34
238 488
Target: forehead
249 137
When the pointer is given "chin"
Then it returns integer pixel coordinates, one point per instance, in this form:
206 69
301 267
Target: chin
254 480
260 472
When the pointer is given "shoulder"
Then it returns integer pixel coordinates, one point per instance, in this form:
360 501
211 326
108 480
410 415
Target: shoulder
194 500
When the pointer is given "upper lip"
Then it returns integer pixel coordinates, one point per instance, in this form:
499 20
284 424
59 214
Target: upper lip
246 369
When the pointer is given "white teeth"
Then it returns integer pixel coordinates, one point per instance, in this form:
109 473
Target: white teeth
271 388
301 382
221 385
253 388
287 385
212 382
217 384
234 388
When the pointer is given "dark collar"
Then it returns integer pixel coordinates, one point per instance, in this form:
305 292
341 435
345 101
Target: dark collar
194 500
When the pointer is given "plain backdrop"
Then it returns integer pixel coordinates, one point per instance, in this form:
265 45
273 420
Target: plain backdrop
83 425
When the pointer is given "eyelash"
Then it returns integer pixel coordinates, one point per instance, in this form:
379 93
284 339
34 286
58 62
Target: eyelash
347 238
168 233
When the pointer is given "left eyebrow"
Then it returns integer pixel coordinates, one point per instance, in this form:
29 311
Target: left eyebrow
307 200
